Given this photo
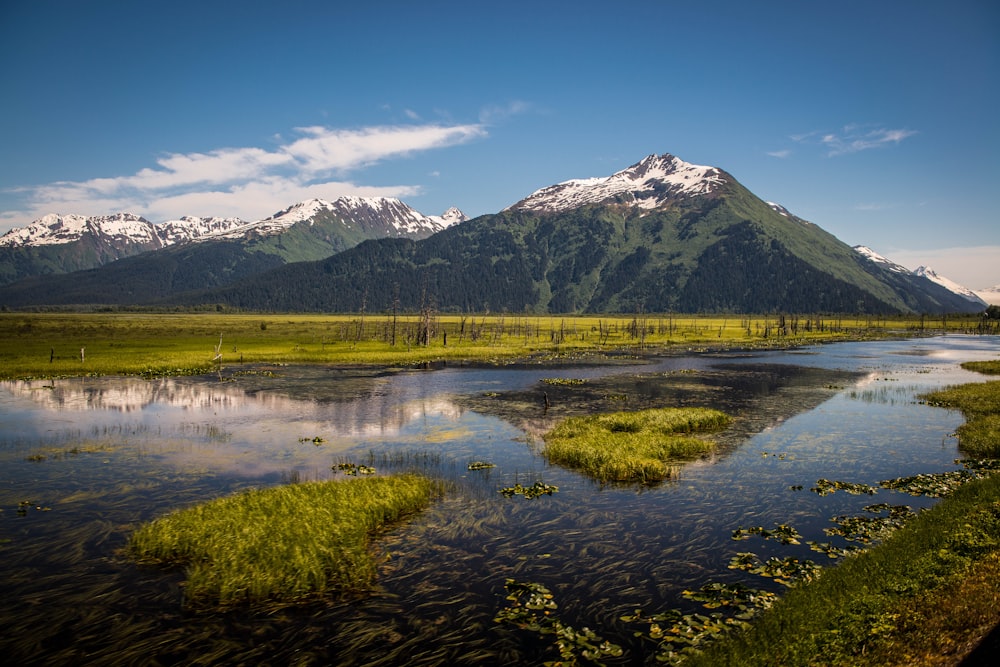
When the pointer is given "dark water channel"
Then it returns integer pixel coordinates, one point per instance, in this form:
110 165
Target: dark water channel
83 461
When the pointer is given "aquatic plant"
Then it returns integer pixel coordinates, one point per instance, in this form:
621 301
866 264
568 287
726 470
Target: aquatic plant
884 603
354 469
531 606
825 487
782 532
481 465
640 446
282 543
537 489
678 636
564 382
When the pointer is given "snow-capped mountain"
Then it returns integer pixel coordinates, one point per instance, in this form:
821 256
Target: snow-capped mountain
923 271
58 244
951 285
990 295
654 181
58 229
397 218
387 215
873 256
189 228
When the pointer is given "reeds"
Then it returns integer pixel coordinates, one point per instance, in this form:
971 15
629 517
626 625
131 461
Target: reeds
282 543
643 446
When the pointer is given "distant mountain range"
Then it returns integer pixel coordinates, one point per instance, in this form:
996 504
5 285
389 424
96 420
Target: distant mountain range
662 235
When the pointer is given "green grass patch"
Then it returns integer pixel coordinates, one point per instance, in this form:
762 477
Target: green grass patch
984 367
61 343
894 597
642 446
980 403
281 544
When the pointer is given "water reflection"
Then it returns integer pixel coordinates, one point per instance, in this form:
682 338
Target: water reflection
96 456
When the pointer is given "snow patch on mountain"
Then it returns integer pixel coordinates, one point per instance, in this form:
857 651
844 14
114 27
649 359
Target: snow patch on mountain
922 271
189 228
389 213
990 295
55 229
651 183
950 285
873 256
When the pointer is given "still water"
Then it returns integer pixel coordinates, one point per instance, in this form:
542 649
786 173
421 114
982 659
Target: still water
83 461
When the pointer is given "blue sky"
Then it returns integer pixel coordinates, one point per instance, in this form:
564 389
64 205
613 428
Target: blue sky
875 120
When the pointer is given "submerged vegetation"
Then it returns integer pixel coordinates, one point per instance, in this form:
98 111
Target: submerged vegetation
55 344
282 543
924 590
641 446
889 605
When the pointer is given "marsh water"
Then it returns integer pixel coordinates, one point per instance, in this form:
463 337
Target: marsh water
84 461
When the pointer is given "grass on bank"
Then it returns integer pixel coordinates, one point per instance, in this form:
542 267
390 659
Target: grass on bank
55 344
283 543
641 446
912 600
979 436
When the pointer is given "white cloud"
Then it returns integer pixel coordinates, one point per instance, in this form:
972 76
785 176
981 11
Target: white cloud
780 154
247 182
854 139
496 113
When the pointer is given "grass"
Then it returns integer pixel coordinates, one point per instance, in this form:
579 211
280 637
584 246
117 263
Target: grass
979 436
642 446
283 543
913 596
49 344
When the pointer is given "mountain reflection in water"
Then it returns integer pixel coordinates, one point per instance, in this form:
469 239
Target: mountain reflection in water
93 457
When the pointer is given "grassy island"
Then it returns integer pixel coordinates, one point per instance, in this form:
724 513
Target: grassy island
640 446
283 543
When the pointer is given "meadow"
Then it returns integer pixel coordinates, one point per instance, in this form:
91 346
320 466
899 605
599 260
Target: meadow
61 344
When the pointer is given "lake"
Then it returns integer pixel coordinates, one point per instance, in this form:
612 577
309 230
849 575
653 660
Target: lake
83 461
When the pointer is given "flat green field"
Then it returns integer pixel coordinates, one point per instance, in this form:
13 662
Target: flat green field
55 344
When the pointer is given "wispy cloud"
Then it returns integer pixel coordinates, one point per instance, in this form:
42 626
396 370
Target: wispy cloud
247 182
496 113
855 138
780 154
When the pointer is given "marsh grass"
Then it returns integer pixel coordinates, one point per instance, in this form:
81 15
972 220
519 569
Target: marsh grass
979 436
49 344
895 597
643 446
283 543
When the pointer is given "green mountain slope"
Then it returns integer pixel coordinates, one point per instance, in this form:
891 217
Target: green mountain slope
725 251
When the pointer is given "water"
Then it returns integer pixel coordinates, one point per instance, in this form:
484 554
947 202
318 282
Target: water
83 461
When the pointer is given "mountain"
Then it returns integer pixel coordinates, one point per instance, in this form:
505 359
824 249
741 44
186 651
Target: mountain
990 295
191 253
923 272
64 243
951 285
653 183
662 235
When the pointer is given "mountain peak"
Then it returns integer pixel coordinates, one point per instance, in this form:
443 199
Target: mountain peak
921 271
654 181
